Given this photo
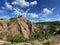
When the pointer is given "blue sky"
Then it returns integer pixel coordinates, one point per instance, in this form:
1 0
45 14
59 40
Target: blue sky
33 10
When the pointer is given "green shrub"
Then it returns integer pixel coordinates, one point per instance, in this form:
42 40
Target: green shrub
20 16
16 38
36 35
32 36
43 34
40 34
47 34
51 28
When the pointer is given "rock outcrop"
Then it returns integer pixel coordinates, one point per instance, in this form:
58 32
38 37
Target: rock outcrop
16 26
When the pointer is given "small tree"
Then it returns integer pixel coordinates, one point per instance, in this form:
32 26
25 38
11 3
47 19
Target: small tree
20 16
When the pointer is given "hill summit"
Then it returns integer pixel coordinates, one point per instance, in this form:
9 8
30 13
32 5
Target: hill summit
16 26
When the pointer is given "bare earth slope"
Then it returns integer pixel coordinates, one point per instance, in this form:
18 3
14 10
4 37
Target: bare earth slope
15 26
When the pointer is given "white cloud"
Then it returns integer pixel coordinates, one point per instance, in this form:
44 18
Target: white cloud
27 10
47 19
53 9
33 15
33 3
24 13
23 3
34 20
8 6
19 12
46 11
16 12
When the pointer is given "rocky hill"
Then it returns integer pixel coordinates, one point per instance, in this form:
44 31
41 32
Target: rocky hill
33 33
16 26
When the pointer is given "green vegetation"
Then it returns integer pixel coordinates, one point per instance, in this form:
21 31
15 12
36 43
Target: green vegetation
44 33
51 28
16 38
55 23
20 16
35 35
38 34
50 42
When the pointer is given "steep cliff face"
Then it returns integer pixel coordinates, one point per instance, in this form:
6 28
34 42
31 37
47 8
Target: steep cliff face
16 26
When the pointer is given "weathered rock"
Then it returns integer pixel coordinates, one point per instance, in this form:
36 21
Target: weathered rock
16 26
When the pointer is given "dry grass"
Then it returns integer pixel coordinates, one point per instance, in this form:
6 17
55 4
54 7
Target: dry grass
5 44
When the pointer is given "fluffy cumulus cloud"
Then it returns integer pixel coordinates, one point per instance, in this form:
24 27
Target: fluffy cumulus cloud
33 15
23 3
33 3
44 13
8 6
18 12
24 13
47 11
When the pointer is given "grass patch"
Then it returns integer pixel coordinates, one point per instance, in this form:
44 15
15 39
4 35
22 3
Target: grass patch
16 38
50 42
